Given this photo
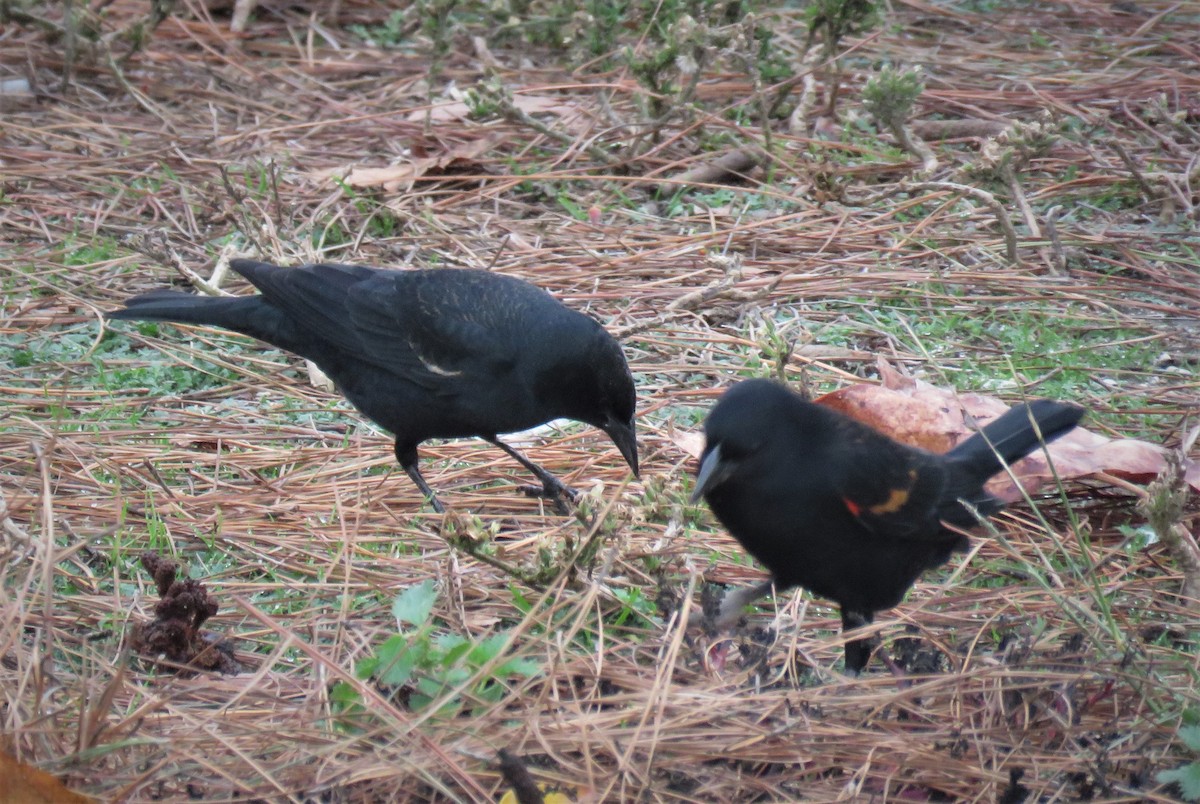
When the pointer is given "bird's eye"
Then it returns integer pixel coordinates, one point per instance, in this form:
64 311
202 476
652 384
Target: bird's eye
738 450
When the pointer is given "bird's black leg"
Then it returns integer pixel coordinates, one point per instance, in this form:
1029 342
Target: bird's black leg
407 456
858 651
552 489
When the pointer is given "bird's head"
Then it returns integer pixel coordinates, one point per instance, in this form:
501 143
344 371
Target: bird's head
622 434
742 424
599 391
618 402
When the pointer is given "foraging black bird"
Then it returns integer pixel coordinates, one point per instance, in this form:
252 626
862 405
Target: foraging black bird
832 505
444 353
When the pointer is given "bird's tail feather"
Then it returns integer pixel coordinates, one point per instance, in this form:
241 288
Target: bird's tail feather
248 315
1014 435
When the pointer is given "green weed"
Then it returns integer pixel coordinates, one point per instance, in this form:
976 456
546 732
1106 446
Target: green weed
421 665
1187 776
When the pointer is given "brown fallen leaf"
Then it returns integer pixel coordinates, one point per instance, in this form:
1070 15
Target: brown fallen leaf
25 784
921 414
401 177
691 442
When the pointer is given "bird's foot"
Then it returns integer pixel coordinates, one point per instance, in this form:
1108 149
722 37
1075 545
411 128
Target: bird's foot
903 682
558 493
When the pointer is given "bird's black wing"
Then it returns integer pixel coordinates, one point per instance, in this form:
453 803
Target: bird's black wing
435 326
314 298
431 327
892 489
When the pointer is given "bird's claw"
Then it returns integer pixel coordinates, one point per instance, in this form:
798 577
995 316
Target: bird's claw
559 494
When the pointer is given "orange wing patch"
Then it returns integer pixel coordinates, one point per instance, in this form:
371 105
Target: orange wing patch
896 500
892 504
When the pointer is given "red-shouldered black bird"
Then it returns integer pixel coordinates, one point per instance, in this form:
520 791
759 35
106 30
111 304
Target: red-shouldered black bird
444 353
832 505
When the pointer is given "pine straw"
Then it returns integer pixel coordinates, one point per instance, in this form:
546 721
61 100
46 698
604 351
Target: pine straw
1037 678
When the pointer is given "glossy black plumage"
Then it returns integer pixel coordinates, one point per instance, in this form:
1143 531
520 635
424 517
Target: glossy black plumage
429 353
832 505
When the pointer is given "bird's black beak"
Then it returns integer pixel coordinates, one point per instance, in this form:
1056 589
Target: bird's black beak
622 435
713 472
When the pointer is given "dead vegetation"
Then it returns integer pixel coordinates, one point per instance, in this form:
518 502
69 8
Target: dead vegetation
1056 663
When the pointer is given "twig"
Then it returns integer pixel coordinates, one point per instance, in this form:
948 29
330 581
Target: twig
141 99
916 146
722 288
983 197
1163 504
21 17
1009 174
14 534
1058 257
500 95
156 246
733 165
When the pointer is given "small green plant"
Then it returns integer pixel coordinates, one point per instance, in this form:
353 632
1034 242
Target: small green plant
670 58
889 98
1187 776
97 250
437 23
419 665
395 30
634 604
1137 538
835 19
482 101
831 20
1039 40
604 19
665 44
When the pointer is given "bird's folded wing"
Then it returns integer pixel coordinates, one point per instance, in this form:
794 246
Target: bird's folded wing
893 495
430 335
313 298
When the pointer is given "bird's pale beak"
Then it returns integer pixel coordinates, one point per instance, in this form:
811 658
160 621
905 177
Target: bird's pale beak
713 472
622 435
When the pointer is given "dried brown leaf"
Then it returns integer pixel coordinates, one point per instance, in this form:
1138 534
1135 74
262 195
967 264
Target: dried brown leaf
915 412
25 784
400 177
690 442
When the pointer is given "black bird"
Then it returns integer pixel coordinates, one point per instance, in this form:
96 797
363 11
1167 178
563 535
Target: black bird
832 505
444 353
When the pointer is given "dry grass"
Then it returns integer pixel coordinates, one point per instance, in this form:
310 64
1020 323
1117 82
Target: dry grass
297 524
